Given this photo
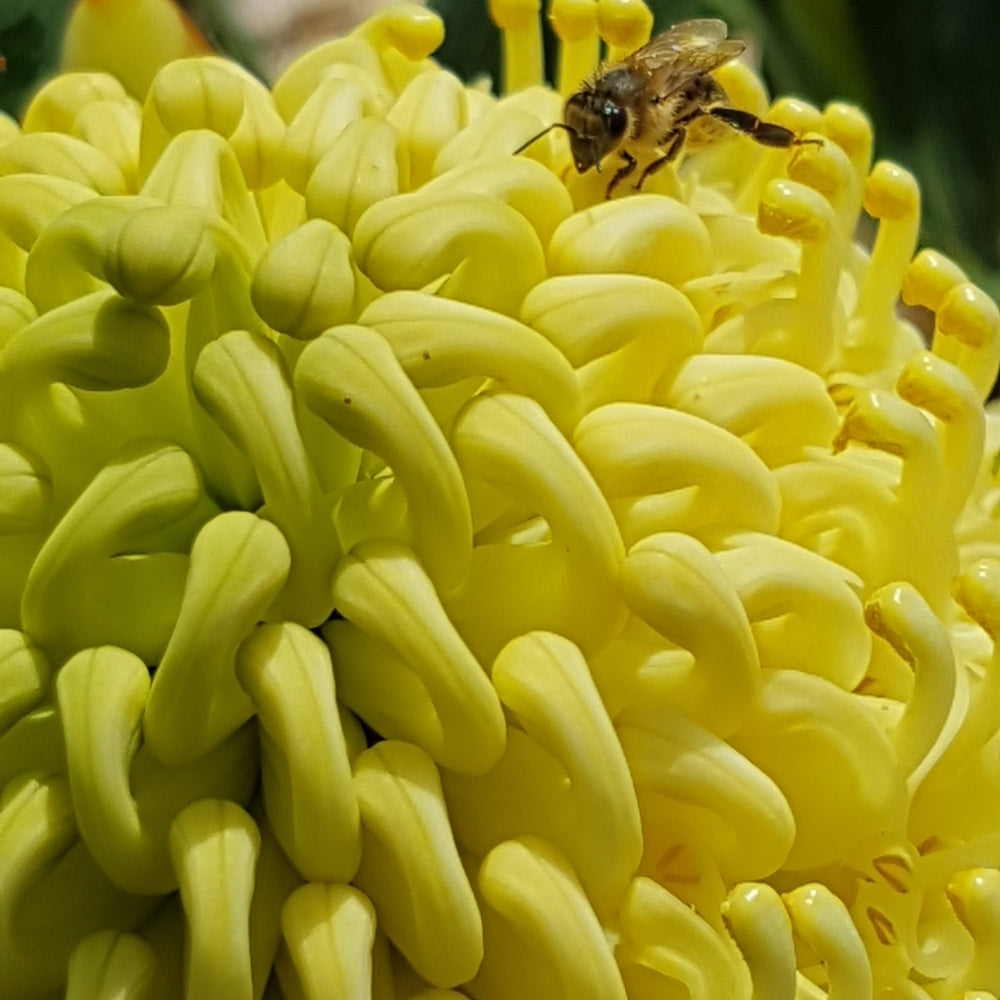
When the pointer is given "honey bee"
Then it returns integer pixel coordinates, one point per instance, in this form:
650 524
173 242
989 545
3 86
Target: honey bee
659 99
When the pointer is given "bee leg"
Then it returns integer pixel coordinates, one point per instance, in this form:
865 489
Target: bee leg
653 168
623 171
676 141
765 132
676 138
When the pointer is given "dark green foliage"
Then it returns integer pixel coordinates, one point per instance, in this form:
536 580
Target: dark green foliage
30 35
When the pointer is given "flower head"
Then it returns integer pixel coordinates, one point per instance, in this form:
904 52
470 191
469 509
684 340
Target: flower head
426 577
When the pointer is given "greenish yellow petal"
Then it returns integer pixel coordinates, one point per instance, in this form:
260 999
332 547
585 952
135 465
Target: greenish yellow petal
433 572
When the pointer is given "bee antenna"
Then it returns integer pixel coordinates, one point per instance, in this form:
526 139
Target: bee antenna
545 131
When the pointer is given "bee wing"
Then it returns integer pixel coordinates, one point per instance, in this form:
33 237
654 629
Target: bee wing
684 52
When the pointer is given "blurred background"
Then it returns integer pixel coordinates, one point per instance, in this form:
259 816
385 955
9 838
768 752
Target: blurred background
925 71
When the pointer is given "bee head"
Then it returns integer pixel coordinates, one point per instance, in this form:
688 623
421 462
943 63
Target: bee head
596 124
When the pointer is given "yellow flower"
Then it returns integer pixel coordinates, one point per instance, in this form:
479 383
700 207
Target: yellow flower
425 578
130 39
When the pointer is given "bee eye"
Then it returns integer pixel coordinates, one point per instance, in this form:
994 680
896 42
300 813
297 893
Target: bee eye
614 118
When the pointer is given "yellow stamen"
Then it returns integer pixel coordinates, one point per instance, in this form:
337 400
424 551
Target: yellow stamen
522 42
